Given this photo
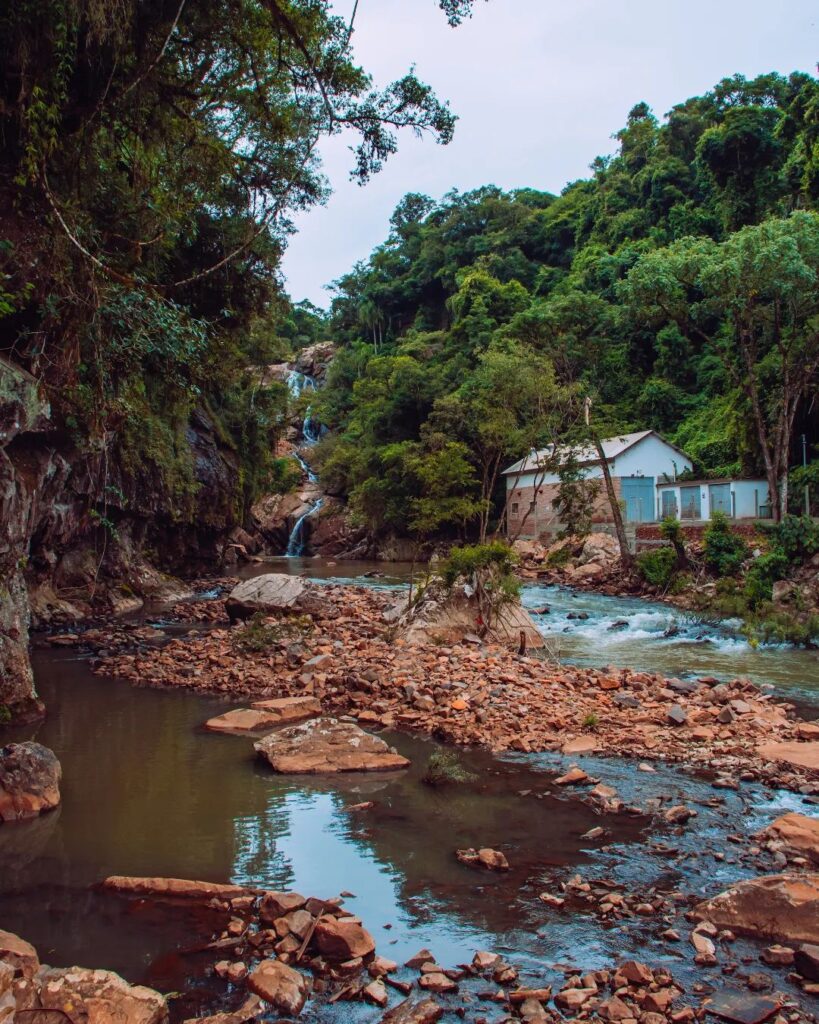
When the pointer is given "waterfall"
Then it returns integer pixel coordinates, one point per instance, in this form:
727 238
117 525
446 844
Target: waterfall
311 433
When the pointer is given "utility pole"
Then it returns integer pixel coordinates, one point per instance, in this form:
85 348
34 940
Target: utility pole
804 463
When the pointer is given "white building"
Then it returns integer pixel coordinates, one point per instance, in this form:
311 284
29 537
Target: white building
697 500
638 462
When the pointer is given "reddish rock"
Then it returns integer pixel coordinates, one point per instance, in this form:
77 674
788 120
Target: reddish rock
275 905
176 888
21 955
801 755
86 995
784 907
29 780
414 1011
342 939
279 985
327 745
798 832
492 860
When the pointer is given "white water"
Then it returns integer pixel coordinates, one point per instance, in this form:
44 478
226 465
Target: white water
311 432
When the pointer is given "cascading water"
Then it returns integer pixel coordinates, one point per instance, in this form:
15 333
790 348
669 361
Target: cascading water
311 432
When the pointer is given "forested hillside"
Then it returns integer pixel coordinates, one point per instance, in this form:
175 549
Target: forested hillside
676 286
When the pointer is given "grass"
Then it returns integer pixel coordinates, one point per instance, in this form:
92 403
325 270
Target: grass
443 767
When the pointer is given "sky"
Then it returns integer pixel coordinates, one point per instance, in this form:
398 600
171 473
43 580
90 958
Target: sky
540 87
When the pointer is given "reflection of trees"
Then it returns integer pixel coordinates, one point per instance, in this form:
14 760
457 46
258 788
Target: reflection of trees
22 842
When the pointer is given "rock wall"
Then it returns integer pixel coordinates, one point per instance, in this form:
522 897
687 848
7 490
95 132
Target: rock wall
80 531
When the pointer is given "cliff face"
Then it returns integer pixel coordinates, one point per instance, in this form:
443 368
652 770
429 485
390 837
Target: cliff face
80 532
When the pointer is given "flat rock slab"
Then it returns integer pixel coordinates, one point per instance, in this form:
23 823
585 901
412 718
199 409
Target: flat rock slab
289 709
803 755
264 715
82 994
275 591
742 1007
175 888
784 907
327 745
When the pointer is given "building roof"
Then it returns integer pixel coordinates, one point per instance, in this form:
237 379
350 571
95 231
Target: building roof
586 454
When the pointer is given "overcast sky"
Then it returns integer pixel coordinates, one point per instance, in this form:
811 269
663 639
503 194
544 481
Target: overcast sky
539 87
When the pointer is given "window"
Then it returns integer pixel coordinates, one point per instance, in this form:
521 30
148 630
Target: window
514 508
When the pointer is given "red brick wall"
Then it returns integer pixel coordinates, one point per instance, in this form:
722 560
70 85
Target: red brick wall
543 520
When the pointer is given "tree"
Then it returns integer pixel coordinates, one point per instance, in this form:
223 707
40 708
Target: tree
753 301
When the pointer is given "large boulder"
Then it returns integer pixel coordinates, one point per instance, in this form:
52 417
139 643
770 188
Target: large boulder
783 907
272 592
279 985
19 954
798 833
343 939
601 548
448 616
93 997
327 745
29 780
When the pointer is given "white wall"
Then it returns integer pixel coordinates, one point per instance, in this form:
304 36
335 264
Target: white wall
649 457
748 496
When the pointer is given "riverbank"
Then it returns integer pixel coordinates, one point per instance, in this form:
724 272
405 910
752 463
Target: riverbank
348 655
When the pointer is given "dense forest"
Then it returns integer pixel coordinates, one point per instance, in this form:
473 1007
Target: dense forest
676 287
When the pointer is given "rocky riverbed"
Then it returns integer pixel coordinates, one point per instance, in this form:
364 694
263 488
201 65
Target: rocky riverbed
341 647
660 840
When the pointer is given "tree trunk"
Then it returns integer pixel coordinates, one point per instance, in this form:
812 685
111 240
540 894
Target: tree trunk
626 558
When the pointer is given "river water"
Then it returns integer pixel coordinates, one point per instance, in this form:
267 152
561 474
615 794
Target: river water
146 791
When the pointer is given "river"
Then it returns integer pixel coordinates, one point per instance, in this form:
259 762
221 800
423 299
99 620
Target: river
147 791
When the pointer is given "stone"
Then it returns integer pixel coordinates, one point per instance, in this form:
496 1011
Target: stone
290 709
176 888
275 905
677 715
742 1008
778 956
342 939
802 755
798 832
484 961
581 745
492 860
615 1009
784 907
250 1009
271 592
376 993
414 1011
327 745
574 998
423 956
244 720
573 777
635 973
280 985
89 996
19 954
29 780
806 961
679 814
436 981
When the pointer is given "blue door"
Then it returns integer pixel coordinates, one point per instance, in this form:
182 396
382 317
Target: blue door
720 497
637 493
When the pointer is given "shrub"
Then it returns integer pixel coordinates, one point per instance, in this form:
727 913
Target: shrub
782 628
444 767
560 556
796 536
5 715
762 575
725 551
258 634
591 721
657 567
